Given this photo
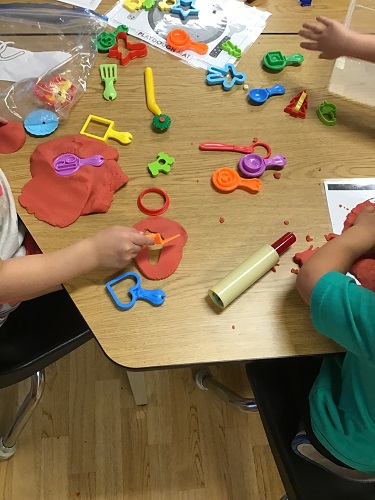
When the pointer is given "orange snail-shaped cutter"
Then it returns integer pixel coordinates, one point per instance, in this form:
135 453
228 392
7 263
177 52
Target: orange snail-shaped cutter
226 179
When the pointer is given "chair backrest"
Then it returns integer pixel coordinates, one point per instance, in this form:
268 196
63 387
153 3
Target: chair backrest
37 333
278 410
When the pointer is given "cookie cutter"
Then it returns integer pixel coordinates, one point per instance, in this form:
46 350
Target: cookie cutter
163 164
178 8
136 292
111 133
106 40
216 76
327 109
153 211
136 50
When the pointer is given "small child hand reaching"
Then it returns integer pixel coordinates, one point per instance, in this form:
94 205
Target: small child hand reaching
116 246
3 121
332 39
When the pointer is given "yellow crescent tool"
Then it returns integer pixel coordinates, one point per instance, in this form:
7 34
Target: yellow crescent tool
160 121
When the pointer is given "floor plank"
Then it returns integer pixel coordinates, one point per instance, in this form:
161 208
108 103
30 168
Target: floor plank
88 440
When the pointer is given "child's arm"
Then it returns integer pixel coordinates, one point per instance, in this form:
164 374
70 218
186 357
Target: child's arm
32 275
3 121
338 254
332 39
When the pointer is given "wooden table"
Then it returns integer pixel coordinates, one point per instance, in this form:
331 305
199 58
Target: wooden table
270 319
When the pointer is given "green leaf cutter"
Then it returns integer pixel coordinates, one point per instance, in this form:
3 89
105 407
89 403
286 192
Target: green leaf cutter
108 74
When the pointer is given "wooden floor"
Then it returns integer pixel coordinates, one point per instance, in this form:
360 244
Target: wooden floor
88 440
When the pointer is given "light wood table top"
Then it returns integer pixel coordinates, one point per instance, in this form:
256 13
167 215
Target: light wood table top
268 320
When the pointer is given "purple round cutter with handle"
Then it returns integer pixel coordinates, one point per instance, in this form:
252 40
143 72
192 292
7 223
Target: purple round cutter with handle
253 165
68 163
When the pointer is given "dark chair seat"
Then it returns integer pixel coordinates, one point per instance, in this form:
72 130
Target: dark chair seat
38 333
280 416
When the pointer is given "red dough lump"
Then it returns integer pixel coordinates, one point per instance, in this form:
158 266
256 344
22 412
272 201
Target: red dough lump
363 268
60 200
12 137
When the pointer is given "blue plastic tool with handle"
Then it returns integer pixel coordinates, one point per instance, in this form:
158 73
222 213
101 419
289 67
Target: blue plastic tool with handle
259 96
136 292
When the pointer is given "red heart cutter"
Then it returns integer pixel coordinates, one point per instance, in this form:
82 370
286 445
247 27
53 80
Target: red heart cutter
136 50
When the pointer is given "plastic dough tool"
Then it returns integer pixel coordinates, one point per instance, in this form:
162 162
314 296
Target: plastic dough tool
111 133
136 292
158 238
41 122
276 61
226 179
179 40
253 165
219 146
108 74
260 96
67 164
160 121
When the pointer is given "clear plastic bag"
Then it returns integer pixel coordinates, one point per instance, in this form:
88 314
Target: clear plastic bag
46 54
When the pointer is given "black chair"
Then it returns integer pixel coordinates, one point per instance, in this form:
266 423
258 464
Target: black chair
36 334
274 395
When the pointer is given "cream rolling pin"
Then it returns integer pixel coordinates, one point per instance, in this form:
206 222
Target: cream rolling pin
247 273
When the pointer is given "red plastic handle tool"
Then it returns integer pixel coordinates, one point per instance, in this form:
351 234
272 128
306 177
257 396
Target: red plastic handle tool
219 146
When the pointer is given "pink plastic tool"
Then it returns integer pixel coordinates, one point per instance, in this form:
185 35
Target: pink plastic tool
67 163
253 165
218 146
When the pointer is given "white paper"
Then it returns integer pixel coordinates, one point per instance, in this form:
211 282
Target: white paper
86 4
217 21
345 194
18 64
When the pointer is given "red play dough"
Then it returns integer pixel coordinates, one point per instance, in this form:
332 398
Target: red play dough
60 200
170 254
364 268
12 137
301 257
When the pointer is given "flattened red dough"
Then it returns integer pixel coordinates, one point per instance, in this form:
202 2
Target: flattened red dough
60 200
170 254
364 268
12 137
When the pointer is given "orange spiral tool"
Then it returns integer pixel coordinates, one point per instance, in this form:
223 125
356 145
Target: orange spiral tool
180 40
226 179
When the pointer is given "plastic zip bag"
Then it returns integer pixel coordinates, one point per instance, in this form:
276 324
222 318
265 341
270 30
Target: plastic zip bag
47 51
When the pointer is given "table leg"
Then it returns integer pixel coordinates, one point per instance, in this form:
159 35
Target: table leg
138 387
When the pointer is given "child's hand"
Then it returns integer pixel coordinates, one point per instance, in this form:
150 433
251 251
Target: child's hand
366 221
117 246
3 121
331 38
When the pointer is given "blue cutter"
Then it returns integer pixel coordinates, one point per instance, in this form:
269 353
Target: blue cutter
178 8
216 75
136 292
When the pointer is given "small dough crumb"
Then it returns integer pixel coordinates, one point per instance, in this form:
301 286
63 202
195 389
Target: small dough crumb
286 222
221 220
308 238
294 271
277 175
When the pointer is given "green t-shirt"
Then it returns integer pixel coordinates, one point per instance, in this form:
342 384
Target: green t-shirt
342 399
